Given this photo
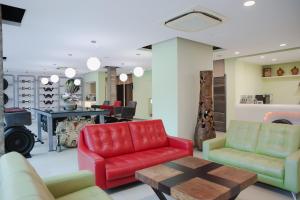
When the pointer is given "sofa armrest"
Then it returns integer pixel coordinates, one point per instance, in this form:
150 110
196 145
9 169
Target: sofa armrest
181 144
292 172
212 144
88 160
66 184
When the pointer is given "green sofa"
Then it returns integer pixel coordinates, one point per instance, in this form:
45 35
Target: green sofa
270 150
19 181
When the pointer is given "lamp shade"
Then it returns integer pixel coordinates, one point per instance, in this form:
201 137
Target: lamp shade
54 78
44 80
77 82
93 63
138 71
123 77
70 72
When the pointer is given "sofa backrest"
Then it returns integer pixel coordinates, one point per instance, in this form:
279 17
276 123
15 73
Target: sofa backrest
108 140
242 135
278 140
20 181
148 134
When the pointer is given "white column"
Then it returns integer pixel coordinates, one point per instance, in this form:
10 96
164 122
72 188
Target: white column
176 66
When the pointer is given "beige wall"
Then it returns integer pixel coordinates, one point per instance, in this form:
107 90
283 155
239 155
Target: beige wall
99 78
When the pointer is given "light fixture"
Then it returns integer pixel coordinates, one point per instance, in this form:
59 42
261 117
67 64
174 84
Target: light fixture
44 81
274 59
138 71
262 57
77 82
93 63
283 45
249 3
123 77
54 78
70 72
237 53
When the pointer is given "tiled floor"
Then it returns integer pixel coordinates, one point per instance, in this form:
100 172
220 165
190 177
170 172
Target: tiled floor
54 163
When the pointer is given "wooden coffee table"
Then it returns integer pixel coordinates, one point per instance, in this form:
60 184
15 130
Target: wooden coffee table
192 178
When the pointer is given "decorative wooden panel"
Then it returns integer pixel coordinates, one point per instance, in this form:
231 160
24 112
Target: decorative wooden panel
220 103
205 123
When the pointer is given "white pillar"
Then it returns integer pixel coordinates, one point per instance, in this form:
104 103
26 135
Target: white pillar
176 65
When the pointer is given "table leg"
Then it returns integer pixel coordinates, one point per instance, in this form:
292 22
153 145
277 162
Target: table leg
39 128
50 133
101 119
159 194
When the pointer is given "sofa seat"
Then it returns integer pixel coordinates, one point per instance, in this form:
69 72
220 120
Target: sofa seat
91 193
257 163
126 165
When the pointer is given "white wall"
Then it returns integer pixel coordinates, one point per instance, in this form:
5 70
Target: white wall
176 66
142 92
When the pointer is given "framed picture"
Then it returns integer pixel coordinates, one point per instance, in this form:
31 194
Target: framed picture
267 72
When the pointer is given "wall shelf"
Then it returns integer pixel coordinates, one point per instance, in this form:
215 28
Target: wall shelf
279 77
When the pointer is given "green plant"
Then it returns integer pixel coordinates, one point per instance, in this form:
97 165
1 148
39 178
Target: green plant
70 90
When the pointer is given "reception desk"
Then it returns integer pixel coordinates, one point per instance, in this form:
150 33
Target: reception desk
256 112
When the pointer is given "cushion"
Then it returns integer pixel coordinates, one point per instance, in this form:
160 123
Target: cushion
242 135
108 140
90 193
247 160
278 140
126 165
20 181
148 134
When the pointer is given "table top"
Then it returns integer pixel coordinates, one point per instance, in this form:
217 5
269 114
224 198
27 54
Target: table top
61 110
197 179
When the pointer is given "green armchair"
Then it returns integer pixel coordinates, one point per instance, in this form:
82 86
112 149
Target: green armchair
270 150
19 180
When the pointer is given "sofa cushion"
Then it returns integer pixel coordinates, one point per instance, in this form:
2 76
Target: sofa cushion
126 165
90 193
247 160
108 140
278 140
148 134
20 181
242 135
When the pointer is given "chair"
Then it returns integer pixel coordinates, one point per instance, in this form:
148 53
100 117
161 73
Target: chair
123 113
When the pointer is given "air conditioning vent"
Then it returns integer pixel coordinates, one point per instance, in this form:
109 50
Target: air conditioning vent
193 21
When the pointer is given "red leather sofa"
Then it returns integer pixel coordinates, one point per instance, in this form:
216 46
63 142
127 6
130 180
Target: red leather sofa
113 152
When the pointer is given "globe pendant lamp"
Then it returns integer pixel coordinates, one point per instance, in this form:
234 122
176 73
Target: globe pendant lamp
44 81
77 82
123 77
138 71
54 78
93 63
70 72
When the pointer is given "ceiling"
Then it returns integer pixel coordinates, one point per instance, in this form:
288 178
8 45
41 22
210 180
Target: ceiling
274 58
52 29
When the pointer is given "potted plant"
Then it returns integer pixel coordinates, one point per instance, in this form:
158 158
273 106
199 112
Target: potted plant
70 98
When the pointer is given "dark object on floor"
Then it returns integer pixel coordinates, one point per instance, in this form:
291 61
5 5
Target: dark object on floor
17 137
282 121
5 84
205 123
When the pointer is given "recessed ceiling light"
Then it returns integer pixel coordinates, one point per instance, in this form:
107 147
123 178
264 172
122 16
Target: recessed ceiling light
283 45
70 54
262 57
249 3
274 59
138 54
93 41
237 53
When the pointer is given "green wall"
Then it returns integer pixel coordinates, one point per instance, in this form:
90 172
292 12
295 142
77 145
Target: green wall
142 92
99 78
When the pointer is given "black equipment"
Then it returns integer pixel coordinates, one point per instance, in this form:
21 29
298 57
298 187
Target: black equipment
5 84
17 137
48 95
48 89
5 98
48 102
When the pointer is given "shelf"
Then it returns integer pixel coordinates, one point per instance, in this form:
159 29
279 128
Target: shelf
278 77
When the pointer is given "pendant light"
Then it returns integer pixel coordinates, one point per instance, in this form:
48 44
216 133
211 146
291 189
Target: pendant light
70 72
138 71
93 63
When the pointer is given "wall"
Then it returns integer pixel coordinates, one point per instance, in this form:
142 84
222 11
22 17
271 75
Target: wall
242 78
164 84
284 90
99 78
142 92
